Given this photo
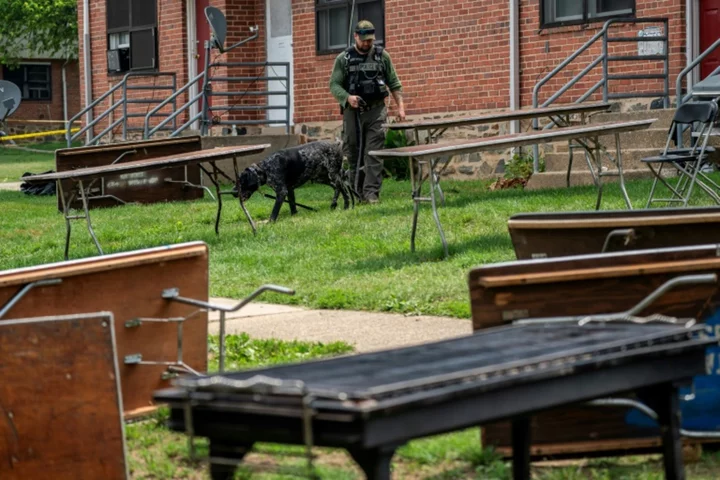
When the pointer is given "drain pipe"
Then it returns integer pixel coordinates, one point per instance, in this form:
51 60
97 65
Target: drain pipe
689 41
87 67
514 62
64 90
193 48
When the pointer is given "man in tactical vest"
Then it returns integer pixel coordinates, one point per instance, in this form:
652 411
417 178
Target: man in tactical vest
362 77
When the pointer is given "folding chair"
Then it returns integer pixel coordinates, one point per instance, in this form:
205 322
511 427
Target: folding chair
699 118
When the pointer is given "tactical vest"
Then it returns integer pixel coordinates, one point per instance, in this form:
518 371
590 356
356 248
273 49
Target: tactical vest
365 74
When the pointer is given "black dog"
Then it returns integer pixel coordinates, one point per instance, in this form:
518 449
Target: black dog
290 168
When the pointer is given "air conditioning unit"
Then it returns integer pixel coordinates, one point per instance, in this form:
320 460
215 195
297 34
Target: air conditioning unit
118 60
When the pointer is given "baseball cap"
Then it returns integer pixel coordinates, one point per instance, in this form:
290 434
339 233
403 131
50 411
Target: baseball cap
365 30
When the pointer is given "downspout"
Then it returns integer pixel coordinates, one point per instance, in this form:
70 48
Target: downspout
514 61
689 42
64 90
192 49
87 67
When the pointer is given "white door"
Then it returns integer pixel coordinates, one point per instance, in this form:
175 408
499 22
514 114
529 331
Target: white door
279 50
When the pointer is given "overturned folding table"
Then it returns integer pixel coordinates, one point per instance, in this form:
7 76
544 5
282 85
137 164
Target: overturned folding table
373 403
555 234
430 156
83 179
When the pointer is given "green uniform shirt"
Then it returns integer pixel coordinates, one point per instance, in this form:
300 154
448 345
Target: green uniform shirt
337 78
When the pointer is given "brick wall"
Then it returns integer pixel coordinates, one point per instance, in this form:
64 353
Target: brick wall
542 50
451 55
53 109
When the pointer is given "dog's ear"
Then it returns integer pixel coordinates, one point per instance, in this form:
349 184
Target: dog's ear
248 182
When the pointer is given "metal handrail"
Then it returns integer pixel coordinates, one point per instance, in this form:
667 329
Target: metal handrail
206 112
148 132
678 83
123 84
604 58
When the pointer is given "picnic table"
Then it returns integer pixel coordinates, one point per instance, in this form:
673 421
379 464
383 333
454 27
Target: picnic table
433 155
84 179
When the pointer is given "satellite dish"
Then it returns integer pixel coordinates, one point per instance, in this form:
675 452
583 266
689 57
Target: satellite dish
218 25
9 99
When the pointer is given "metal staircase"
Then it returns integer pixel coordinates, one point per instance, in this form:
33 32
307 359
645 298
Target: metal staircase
605 59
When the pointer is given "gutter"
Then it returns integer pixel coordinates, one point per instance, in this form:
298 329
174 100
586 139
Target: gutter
192 51
87 66
515 61
514 64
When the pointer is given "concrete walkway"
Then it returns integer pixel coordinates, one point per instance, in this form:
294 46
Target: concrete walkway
14 186
366 331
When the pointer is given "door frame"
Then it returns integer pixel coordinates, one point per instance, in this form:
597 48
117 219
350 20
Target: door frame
291 69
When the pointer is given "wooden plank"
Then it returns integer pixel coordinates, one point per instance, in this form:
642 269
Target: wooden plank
501 116
501 293
513 140
130 286
583 285
99 155
60 404
580 233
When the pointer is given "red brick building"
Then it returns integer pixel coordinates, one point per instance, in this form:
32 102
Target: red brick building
50 88
451 55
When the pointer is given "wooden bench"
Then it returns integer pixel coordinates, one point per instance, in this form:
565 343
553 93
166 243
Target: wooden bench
116 189
556 288
542 235
156 337
60 403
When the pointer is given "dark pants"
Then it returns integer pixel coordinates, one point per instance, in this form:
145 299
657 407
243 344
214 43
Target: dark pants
374 139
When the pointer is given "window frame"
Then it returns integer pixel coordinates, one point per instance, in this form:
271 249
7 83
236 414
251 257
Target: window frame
584 20
23 67
129 30
329 5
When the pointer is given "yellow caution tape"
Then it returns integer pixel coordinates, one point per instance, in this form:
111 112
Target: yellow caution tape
38 134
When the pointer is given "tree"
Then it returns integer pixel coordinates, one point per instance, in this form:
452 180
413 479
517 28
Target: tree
33 26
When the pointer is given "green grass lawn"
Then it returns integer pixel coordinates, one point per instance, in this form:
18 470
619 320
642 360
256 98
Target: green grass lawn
343 259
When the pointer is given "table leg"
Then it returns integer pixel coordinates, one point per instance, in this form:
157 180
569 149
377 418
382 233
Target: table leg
416 183
375 462
225 460
83 197
66 213
521 448
620 171
433 185
213 177
665 401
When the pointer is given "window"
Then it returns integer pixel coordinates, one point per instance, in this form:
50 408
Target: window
131 28
333 22
33 81
564 12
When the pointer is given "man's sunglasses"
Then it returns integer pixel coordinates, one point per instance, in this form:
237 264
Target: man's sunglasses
365 31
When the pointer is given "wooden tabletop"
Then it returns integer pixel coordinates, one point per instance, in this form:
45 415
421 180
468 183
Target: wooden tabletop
169 161
128 145
513 140
509 115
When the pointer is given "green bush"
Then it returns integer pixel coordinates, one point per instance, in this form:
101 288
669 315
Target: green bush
521 166
397 168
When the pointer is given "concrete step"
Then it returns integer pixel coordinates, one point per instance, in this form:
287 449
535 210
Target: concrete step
544 180
558 162
664 117
643 139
